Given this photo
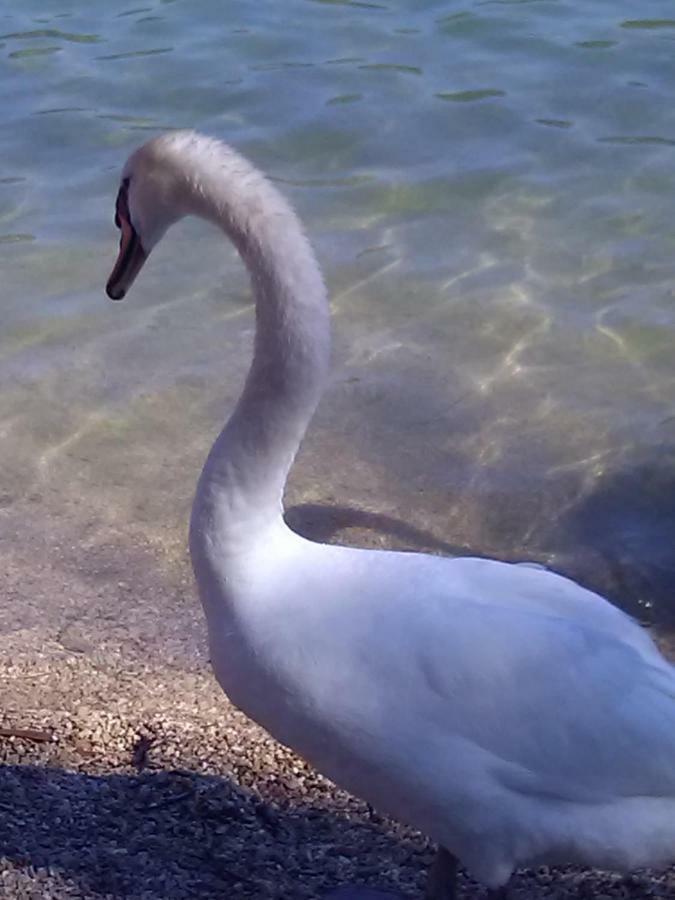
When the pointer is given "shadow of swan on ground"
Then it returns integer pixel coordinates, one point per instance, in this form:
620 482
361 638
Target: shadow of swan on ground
180 835
170 835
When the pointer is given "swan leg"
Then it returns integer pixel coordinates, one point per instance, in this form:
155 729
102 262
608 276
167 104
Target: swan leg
498 894
442 880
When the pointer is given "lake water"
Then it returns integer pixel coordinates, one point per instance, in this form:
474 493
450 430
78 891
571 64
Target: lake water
490 189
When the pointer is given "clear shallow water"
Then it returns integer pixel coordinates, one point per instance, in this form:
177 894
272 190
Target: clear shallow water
489 186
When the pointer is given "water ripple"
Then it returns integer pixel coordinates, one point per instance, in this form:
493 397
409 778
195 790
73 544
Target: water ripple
276 66
18 238
629 139
344 98
359 3
470 96
34 51
555 123
392 67
455 17
596 45
510 2
133 12
53 33
132 54
344 60
369 250
57 110
450 233
648 23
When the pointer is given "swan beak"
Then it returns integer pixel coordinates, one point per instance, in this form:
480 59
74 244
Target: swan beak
129 263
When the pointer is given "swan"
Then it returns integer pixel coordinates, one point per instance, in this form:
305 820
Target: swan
503 710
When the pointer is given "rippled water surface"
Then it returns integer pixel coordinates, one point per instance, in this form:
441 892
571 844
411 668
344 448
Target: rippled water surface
490 187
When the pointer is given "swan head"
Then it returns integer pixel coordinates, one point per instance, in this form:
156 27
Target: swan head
155 192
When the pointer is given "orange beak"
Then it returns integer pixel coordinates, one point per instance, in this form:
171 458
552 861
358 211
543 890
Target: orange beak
131 254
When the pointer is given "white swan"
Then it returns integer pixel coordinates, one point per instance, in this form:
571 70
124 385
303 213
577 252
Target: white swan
503 710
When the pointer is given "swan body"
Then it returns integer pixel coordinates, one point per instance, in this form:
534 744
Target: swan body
511 715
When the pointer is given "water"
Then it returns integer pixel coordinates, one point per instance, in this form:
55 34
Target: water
489 188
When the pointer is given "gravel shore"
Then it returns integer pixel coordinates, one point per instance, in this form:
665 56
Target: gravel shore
125 773
159 790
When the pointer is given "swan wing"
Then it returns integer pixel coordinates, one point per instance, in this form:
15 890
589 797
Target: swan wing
512 673
561 708
528 586
560 691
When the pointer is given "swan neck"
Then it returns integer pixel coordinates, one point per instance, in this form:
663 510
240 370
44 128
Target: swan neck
239 497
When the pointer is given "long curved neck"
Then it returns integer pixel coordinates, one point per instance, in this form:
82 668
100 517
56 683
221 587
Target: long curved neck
239 496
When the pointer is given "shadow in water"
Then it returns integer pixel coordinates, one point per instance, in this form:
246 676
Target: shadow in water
627 521
172 835
322 523
617 537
